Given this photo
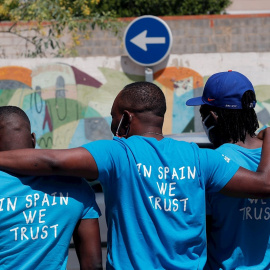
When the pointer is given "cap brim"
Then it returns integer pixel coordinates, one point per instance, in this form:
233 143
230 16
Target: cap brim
195 101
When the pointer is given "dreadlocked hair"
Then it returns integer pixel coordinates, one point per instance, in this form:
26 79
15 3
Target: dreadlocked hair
234 124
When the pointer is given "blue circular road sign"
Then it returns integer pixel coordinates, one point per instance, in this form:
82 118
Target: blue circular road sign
148 40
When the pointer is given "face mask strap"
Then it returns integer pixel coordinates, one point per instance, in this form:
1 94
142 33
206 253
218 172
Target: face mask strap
206 118
119 125
206 129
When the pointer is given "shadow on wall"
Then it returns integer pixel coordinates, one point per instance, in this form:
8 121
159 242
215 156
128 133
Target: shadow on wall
68 107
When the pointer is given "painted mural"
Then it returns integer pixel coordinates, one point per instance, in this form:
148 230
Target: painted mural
68 107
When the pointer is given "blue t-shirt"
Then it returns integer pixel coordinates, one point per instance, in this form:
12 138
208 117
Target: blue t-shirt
155 200
38 216
239 237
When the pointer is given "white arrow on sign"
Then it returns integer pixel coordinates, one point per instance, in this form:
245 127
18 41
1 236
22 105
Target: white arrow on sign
141 40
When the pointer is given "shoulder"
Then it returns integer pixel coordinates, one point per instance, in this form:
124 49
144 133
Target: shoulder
180 144
230 149
77 185
103 144
227 147
68 182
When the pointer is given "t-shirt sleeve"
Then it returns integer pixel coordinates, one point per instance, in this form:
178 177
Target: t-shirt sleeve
216 169
91 209
105 154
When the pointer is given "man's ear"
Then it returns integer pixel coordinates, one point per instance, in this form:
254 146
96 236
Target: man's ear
126 123
214 114
127 118
33 139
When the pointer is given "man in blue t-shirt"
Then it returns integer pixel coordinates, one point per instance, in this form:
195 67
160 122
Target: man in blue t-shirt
40 214
238 230
154 187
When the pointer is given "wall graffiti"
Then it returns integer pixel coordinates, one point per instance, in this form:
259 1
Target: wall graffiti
178 85
68 107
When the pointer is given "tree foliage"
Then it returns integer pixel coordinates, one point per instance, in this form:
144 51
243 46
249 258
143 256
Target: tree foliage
50 19
134 8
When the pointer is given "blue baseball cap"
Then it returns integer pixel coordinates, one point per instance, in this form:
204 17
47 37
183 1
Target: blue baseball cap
224 90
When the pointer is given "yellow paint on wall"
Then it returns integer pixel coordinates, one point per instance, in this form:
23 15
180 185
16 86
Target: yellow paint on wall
18 97
167 126
62 136
262 92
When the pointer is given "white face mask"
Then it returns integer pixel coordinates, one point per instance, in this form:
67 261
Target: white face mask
207 129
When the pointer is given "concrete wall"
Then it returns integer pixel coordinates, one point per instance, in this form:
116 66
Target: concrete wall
191 34
197 34
68 101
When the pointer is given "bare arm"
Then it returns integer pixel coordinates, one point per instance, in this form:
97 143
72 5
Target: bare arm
79 162
250 184
86 238
71 162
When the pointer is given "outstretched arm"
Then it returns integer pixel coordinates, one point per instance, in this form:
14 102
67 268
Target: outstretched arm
79 162
86 239
71 162
250 184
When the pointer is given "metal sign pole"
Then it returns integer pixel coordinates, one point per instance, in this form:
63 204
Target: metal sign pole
148 72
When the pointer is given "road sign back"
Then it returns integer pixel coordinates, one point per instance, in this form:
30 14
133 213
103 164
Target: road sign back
148 40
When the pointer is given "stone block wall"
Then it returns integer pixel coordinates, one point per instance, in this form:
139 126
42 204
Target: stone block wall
191 34
195 34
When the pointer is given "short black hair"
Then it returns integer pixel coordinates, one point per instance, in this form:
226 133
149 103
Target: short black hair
143 97
7 111
234 124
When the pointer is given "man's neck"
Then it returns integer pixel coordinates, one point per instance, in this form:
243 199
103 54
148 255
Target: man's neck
251 142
